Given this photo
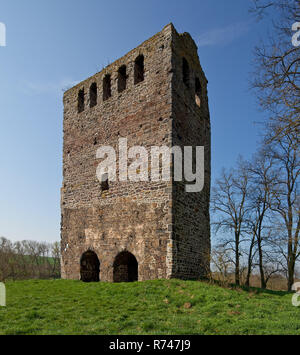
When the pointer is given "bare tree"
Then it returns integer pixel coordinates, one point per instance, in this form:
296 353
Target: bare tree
221 263
28 259
55 253
262 178
286 201
230 210
276 78
5 257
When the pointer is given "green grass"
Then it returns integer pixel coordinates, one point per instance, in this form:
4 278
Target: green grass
151 307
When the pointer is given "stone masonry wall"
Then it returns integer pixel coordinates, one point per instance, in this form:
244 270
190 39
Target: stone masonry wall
166 229
129 216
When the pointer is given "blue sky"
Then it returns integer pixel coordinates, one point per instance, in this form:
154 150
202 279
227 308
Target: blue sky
53 44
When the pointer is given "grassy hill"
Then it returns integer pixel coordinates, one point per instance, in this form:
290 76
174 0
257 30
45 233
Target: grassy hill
152 307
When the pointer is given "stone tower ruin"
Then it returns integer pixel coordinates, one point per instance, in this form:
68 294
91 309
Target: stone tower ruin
156 95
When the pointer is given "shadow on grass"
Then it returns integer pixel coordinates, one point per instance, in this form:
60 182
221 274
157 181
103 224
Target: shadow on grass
255 290
258 290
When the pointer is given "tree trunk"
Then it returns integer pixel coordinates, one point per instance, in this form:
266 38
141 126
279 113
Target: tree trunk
237 262
247 283
263 284
291 271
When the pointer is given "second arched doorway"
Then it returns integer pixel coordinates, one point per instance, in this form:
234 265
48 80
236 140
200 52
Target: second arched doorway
125 267
89 267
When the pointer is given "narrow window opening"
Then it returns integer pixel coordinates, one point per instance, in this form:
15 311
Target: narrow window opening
104 182
139 69
93 95
106 87
198 92
186 72
122 77
81 100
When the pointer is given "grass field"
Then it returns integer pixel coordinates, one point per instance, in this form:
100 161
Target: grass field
152 307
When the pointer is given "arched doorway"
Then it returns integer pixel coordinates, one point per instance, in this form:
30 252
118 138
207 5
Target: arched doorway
89 267
125 267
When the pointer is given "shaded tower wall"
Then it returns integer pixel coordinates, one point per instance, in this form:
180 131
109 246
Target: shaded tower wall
190 127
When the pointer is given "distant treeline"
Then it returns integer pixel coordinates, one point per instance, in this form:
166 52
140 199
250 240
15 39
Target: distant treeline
29 260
